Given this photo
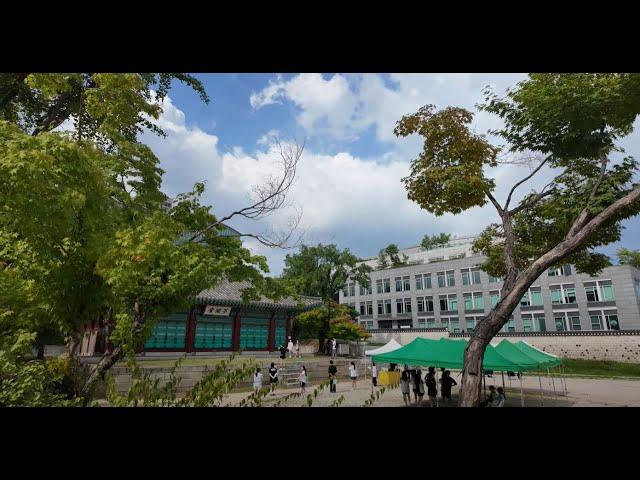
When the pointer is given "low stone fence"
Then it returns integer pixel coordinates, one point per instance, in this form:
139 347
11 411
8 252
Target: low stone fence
614 345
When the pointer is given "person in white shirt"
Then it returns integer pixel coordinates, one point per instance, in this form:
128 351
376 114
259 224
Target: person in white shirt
302 378
290 347
257 381
334 347
353 374
374 374
298 348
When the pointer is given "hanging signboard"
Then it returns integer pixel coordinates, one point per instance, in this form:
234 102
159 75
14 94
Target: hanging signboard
217 310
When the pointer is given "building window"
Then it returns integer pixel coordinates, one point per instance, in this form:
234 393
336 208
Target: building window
527 323
471 323
612 321
407 305
365 290
420 302
563 294
362 309
470 276
510 326
494 297
387 285
610 318
380 307
596 322
493 279
369 308
423 281
352 289
403 284
539 322
379 286
574 322
561 323
448 302
387 307
399 308
473 301
533 323
524 301
345 291
425 304
563 270
398 284
601 290
451 323
446 279
536 296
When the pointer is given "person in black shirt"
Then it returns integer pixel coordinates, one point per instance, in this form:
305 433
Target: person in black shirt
446 383
418 385
432 389
283 352
273 378
332 377
491 398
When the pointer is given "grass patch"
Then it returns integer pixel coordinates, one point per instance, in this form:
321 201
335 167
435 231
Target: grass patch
601 368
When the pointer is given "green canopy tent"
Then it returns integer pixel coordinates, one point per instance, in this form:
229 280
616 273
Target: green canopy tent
547 361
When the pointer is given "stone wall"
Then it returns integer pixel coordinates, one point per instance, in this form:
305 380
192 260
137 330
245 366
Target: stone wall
619 346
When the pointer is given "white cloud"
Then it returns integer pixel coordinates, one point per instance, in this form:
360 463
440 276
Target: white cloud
268 137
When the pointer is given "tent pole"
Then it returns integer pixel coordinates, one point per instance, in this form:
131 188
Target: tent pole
564 380
541 392
521 392
503 380
437 403
553 382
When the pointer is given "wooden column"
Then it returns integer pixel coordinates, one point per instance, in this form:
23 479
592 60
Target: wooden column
288 328
272 332
190 334
235 339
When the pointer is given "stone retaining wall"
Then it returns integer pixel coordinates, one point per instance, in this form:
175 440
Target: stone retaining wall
618 346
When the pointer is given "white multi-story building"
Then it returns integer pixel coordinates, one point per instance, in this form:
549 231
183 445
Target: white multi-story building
444 287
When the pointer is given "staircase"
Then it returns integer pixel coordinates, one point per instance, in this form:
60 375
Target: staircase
288 374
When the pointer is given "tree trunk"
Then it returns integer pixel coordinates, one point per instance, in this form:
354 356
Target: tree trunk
40 351
74 343
106 362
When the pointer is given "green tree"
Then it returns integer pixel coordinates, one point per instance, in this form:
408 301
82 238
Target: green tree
341 319
440 240
629 257
322 271
570 122
83 231
390 257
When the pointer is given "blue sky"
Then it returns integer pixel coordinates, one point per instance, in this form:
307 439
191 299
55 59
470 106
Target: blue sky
348 185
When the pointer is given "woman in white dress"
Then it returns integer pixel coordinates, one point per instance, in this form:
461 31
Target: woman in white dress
257 381
353 374
302 378
290 347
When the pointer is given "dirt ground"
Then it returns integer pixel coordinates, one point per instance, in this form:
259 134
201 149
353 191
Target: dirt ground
582 392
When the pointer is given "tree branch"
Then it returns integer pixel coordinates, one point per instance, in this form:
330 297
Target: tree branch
270 196
12 89
532 200
584 214
506 205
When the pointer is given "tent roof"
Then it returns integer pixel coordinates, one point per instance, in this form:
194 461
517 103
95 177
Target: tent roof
512 352
444 353
389 347
544 359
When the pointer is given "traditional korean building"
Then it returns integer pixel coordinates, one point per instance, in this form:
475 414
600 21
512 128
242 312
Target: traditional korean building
220 321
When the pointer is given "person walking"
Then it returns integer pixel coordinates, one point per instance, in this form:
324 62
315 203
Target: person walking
374 374
334 347
333 371
290 348
257 381
405 378
353 374
297 348
432 386
446 383
302 378
273 378
418 385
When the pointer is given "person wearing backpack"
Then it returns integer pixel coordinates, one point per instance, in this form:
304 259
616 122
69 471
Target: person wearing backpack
333 371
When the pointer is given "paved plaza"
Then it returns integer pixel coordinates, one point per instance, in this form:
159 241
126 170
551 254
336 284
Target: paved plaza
582 392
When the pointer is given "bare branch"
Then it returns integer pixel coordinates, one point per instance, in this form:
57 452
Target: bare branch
281 238
506 205
271 195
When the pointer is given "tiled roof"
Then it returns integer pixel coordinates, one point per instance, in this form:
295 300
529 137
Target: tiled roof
230 293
